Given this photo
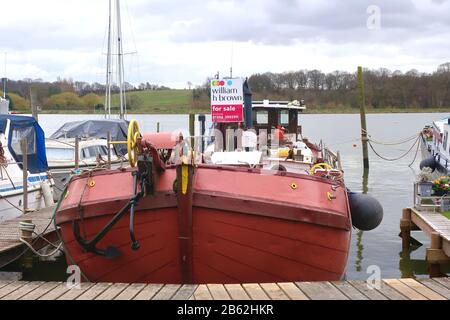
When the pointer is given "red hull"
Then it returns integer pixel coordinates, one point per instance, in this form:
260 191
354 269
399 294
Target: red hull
232 226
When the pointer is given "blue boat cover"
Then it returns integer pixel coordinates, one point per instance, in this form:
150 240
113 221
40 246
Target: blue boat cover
26 127
96 129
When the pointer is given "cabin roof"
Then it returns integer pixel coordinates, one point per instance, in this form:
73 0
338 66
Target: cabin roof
292 105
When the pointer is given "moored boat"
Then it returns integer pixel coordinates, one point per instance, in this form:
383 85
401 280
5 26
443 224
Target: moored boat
14 129
203 223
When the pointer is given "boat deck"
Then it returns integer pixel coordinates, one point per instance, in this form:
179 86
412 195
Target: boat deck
391 289
11 248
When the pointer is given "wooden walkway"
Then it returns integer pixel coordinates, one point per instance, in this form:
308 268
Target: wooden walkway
10 246
392 289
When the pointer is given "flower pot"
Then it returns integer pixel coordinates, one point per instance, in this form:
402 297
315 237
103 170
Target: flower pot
439 193
425 189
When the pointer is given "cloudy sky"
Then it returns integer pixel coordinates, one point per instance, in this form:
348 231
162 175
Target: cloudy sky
179 41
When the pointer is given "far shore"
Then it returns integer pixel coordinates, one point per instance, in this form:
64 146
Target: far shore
311 110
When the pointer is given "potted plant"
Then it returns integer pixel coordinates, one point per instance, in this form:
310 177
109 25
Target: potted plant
424 184
441 186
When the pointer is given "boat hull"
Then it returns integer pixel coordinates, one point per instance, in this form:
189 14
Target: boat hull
228 225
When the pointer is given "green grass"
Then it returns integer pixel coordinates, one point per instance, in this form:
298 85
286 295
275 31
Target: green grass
446 214
181 102
162 101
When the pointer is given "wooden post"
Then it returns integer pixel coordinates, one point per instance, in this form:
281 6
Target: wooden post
364 137
434 266
202 120
192 127
405 228
34 107
77 153
109 150
158 127
24 149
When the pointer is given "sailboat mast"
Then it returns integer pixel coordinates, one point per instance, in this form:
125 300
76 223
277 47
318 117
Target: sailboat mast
120 60
108 67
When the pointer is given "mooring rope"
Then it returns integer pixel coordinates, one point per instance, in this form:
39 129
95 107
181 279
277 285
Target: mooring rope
417 142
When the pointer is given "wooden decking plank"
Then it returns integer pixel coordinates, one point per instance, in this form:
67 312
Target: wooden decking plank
292 291
167 292
185 292
236 292
130 292
404 289
148 292
202 293
321 291
94 291
20 292
443 281
55 293
74 293
349 291
274 291
39 292
255 291
390 293
423 290
4 283
112 292
436 287
13 286
218 292
370 293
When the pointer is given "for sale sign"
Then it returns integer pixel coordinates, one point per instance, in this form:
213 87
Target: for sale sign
227 100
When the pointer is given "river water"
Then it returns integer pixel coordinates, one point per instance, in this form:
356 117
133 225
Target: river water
390 182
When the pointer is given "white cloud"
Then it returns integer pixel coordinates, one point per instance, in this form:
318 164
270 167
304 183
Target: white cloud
179 41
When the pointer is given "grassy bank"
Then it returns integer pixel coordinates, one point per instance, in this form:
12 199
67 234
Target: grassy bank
181 102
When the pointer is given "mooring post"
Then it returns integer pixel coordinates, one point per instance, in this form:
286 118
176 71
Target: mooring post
108 137
433 260
24 149
77 153
34 107
364 135
192 128
202 120
405 228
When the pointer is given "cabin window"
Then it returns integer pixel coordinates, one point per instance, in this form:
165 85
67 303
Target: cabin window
60 154
284 117
17 134
445 140
94 151
262 117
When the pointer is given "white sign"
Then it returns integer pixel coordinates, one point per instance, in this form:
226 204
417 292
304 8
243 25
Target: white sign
227 100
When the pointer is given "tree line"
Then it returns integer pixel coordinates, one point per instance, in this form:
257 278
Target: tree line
64 94
384 88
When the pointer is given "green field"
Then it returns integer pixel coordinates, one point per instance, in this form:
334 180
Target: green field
160 101
181 102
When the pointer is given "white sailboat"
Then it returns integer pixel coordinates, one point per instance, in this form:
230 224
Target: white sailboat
12 130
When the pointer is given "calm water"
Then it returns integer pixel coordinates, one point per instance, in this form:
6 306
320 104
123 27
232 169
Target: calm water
390 182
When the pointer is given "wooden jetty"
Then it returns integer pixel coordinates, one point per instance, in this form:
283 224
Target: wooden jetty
436 227
11 248
390 289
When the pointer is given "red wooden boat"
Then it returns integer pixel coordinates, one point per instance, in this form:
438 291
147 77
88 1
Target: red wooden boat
204 223
211 223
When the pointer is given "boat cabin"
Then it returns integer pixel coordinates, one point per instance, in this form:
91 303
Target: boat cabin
268 115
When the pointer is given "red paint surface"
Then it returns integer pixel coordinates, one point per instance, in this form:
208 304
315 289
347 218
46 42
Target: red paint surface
305 242
227 113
